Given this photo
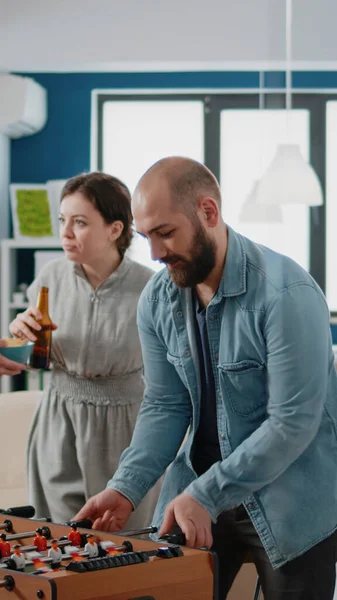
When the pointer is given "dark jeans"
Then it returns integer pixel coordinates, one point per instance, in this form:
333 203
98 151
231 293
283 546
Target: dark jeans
308 577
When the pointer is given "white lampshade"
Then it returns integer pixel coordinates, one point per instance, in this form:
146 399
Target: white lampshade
259 213
289 180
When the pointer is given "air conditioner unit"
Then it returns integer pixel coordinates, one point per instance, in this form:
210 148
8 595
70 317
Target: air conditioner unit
23 106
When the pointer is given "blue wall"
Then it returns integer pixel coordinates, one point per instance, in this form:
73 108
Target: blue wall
62 148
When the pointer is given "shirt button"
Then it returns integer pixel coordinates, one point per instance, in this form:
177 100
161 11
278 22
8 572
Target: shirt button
217 357
212 318
187 353
93 299
179 313
220 395
222 436
251 505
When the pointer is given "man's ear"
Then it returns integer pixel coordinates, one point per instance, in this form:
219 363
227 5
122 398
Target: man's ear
209 211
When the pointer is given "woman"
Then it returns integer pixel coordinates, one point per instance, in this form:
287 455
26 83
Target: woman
87 415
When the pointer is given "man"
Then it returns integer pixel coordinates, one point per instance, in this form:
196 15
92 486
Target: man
237 350
7 366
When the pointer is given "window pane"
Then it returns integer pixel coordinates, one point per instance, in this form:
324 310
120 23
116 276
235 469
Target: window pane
331 204
248 143
138 133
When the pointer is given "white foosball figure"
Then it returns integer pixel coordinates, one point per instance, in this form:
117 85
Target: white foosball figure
55 554
91 547
18 558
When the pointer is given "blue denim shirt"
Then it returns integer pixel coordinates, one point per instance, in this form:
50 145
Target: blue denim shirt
276 388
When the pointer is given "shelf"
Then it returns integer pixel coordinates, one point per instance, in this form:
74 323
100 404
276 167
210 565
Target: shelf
32 243
21 305
11 255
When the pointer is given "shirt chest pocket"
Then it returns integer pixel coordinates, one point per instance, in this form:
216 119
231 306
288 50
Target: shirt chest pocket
245 385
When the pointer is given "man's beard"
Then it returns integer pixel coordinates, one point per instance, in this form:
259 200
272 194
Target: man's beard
195 269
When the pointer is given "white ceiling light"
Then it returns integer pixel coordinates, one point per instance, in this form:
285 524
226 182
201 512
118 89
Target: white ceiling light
251 211
289 179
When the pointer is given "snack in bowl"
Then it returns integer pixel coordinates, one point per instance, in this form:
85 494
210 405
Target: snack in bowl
17 350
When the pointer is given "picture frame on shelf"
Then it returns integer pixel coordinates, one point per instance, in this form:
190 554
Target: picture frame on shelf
32 212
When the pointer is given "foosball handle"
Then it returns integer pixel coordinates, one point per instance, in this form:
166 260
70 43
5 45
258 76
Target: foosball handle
85 523
27 512
174 538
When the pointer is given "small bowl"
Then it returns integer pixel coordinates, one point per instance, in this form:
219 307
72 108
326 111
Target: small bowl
17 350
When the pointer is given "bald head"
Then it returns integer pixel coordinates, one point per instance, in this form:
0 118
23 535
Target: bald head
186 180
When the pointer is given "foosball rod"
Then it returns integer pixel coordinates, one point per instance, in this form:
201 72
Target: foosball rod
60 543
8 526
23 535
133 532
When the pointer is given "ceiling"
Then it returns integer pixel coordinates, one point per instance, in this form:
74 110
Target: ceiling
106 35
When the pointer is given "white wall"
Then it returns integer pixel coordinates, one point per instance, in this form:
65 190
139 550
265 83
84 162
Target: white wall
102 34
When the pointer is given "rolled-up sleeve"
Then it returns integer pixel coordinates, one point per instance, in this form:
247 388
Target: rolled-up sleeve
163 418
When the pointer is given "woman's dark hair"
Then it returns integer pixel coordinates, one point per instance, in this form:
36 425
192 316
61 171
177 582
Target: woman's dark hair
110 197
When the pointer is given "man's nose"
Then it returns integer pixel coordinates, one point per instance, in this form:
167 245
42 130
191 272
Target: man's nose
158 251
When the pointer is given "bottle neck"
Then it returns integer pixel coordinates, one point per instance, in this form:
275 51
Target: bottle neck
42 301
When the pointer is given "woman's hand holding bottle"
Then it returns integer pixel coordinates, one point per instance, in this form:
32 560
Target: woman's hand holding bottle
24 324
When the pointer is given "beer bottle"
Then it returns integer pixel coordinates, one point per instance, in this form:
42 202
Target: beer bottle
40 357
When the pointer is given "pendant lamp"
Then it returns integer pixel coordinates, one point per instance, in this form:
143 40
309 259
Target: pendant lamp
289 179
253 212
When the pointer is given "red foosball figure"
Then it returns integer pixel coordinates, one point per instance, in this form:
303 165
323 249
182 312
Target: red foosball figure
40 541
5 549
74 536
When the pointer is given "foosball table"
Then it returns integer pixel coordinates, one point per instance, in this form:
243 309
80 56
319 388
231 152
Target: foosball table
40 559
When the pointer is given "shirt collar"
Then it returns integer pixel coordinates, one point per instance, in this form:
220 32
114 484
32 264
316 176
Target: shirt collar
122 268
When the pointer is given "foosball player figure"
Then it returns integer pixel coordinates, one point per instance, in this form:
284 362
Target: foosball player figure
40 541
18 558
55 554
91 547
74 536
5 549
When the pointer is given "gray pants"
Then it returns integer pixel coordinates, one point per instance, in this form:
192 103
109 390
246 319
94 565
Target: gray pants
79 431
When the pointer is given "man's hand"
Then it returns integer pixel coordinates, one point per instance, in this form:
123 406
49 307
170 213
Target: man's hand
192 518
109 511
7 366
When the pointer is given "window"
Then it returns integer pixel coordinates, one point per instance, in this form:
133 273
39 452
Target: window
248 143
137 133
230 135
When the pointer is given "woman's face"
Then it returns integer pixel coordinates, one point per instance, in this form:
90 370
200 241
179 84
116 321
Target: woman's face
85 236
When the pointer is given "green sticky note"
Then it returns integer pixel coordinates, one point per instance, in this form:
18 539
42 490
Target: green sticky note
33 213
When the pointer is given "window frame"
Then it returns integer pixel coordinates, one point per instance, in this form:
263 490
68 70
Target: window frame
217 100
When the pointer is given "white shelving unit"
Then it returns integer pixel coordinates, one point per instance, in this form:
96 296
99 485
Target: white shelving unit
9 282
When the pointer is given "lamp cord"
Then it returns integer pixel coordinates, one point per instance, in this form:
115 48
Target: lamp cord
288 53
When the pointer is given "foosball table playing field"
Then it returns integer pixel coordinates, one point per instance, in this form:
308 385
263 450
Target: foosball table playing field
40 559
